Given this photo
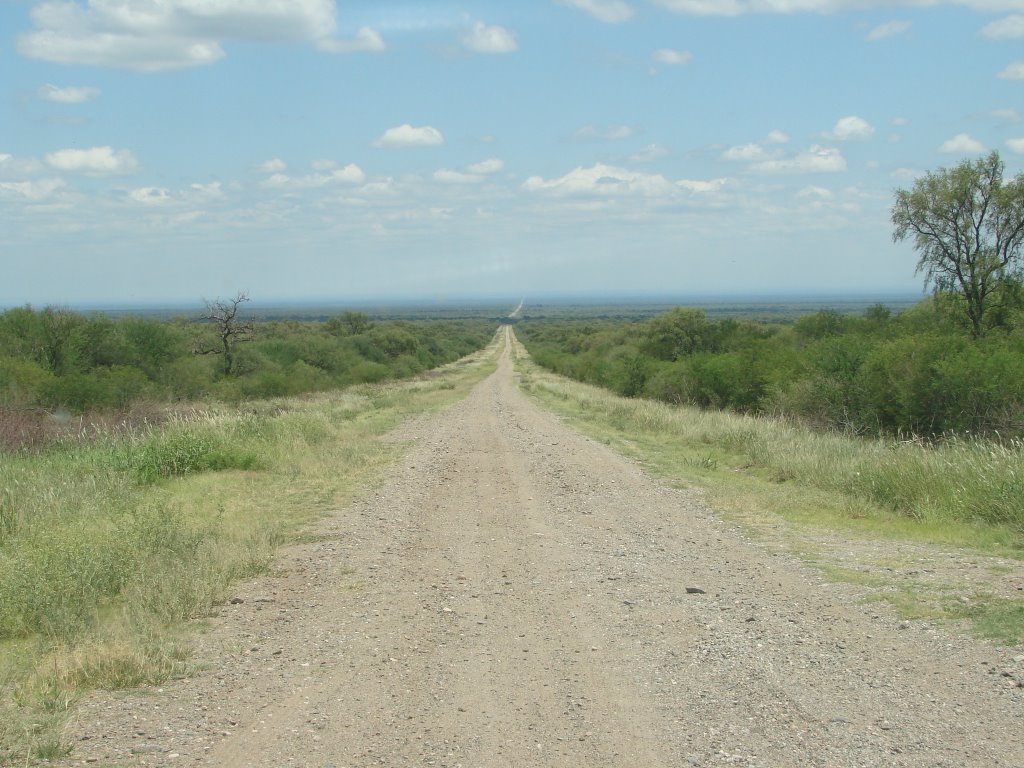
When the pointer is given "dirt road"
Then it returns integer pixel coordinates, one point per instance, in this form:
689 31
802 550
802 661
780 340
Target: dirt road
516 595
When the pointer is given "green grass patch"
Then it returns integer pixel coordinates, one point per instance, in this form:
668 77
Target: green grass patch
109 548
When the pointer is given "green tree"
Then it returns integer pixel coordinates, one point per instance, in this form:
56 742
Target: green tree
348 323
968 229
678 333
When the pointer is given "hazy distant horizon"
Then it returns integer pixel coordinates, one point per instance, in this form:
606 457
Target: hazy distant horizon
497 301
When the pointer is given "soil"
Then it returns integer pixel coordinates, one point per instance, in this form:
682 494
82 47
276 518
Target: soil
514 594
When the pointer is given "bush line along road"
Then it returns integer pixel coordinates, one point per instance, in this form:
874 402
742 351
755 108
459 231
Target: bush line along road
514 594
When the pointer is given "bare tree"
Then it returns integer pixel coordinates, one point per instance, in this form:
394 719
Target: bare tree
230 327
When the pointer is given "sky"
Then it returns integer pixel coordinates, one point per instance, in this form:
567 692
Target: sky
163 151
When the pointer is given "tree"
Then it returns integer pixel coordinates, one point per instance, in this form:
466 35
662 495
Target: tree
348 323
230 328
968 228
678 333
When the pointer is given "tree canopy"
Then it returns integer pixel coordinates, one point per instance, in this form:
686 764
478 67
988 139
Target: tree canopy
967 225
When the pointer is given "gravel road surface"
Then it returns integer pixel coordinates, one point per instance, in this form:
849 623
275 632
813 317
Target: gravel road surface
516 595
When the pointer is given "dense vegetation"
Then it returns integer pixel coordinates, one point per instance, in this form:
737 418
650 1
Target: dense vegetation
919 372
60 361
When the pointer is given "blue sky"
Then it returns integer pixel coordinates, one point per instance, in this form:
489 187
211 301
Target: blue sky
167 150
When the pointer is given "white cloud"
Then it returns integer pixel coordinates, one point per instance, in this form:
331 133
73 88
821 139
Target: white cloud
407 136
150 195
962 144
900 121
777 137
474 174
649 154
815 193
95 161
1013 71
275 165
888 29
446 176
601 179
608 11
492 165
69 95
209 191
702 187
817 159
670 56
161 35
1016 145
744 153
366 41
1004 115
30 190
1010 28
484 39
740 7
851 128
15 167
593 133
350 174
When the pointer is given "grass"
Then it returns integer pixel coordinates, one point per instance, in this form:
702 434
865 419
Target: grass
109 547
770 474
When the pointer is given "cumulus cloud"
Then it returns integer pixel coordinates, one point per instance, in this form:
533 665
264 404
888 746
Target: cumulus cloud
406 135
815 193
777 137
489 39
474 174
93 161
1016 145
366 40
673 57
150 195
744 153
446 176
39 189
702 187
1010 28
649 154
817 159
601 179
491 165
740 7
888 29
68 95
274 165
148 36
851 128
608 11
350 174
1014 71
209 191
593 133
962 144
